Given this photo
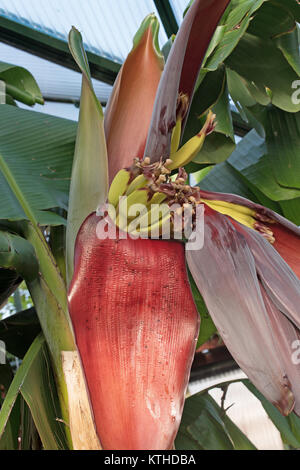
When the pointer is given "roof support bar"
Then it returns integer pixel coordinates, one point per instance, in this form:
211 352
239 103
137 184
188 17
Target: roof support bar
56 50
167 16
53 49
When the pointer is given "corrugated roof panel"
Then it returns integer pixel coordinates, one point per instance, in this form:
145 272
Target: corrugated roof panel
178 7
108 26
54 108
55 81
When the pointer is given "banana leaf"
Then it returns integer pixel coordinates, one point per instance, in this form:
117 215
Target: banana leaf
17 262
9 439
205 426
212 93
9 282
34 381
36 154
20 84
268 73
283 143
252 158
236 20
18 331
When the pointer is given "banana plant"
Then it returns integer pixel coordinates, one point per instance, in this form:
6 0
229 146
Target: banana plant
128 327
135 328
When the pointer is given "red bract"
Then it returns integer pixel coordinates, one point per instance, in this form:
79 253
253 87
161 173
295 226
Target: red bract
287 245
255 296
136 327
128 113
181 72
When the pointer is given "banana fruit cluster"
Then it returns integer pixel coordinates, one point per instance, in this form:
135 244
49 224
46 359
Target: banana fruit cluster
245 216
149 189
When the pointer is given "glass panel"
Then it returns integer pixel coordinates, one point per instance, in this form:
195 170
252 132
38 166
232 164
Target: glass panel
178 7
56 82
63 110
108 26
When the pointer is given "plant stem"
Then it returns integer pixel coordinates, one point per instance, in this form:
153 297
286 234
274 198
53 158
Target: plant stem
49 295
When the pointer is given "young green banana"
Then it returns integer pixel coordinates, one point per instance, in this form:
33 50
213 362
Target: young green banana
118 186
190 149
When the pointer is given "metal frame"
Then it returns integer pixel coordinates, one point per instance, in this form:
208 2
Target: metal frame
57 51
216 361
167 16
53 49
239 126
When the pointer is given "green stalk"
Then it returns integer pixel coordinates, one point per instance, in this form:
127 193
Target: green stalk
58 337
57 243
49 294
50 299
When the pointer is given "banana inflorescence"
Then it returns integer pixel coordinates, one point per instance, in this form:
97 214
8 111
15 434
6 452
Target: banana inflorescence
143 193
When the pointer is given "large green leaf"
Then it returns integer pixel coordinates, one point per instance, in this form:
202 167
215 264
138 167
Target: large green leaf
17 261
36 153
206 95
269 76
220 144
34 380
236 21
250 159
18 254
224 179
261 176
20 84
243 100
293 6
283 144
9 282
212 93
291 210
18 331
277 20
238 89
205 426
271 20
289 46
9 439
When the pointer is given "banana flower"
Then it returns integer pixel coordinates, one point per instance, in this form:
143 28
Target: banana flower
130 301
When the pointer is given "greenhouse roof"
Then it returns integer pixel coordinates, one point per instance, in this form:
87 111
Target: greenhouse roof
34 35
107 26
